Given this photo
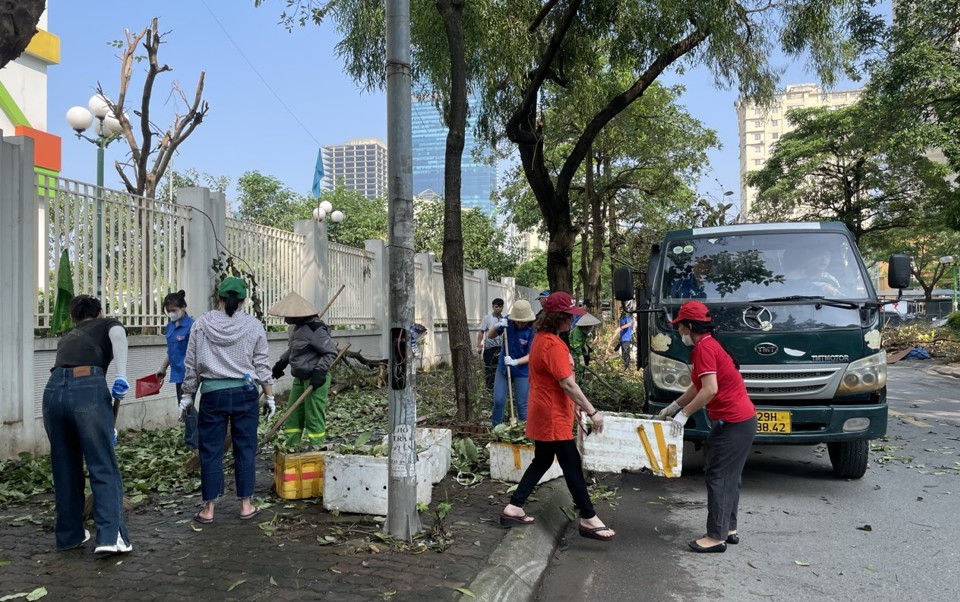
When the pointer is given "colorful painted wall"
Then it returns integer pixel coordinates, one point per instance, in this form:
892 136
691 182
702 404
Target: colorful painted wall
23 98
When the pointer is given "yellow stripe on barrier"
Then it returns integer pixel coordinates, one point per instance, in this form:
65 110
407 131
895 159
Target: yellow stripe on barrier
649 450
662 445
516 458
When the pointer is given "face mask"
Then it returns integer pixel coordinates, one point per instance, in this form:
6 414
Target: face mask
687 340
174 315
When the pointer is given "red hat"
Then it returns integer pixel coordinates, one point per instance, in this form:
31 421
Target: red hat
692 310
561 301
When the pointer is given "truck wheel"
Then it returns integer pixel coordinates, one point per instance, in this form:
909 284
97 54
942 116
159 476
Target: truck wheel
849 458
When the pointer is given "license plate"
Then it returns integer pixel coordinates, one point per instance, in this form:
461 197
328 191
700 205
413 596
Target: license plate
773 422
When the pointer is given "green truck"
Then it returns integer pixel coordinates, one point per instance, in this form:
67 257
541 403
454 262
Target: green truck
794 303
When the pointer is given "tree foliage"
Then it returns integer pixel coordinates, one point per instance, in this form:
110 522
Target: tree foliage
926 245
188 178
266 200
364 219
842 165
482 239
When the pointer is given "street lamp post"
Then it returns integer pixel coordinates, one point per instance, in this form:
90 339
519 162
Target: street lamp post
106 130
324 209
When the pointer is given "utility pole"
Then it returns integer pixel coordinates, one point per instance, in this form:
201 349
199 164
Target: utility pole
403 520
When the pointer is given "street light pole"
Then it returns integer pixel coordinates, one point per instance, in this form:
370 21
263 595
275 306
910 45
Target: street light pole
107 130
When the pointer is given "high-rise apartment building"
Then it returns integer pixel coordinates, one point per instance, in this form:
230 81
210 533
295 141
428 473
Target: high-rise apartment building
359 164
479 180
760 128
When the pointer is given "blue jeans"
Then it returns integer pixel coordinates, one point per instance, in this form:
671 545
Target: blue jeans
521 387
237 406
78 418
190 437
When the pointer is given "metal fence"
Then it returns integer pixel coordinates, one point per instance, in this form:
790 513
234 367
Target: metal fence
142 244
269 257
352 268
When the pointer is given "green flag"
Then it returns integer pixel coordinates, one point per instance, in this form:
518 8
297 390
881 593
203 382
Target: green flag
60 321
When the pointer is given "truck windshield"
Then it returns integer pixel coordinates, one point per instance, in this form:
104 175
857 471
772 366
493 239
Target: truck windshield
763 266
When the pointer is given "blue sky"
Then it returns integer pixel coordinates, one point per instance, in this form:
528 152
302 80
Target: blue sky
274 96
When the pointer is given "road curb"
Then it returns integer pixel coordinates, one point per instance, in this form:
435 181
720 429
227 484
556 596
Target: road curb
515 568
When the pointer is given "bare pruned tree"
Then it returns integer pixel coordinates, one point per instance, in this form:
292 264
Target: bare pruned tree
151 154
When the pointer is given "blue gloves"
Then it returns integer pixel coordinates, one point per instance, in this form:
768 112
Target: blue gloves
120 387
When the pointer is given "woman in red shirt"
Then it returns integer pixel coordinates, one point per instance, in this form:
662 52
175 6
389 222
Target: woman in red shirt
553 400
717 386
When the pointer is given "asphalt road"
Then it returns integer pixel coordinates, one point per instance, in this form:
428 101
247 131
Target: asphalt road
805 535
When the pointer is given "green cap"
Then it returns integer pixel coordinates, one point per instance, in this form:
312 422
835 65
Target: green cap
232 284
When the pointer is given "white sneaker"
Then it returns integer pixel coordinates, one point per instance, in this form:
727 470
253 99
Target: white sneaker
119 548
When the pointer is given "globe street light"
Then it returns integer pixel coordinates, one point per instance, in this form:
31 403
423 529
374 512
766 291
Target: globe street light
106 129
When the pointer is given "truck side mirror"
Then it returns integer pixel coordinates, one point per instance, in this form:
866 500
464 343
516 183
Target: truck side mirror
898 271
623 284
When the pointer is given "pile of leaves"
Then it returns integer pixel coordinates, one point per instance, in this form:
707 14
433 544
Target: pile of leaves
942 343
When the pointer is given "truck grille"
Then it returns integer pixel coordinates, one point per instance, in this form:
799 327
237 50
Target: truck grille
776 383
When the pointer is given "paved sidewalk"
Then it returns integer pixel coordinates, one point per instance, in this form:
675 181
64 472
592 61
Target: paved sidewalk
280 556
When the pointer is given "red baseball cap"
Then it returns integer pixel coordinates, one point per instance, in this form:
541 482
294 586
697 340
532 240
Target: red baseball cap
692 310
561 301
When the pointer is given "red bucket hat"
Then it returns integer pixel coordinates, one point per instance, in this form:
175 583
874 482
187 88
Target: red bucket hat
692 310
561 301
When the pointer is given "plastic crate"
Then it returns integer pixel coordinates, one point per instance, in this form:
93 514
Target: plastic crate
299 475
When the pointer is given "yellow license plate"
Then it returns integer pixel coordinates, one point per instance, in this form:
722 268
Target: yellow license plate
773 422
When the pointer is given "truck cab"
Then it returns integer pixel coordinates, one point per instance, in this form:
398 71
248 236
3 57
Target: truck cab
793 302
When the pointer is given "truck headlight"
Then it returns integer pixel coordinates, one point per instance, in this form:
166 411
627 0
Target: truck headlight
865 375
668 374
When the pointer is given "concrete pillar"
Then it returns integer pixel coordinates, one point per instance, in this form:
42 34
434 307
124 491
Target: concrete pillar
18 272
202 237
423 299
379 269
315 274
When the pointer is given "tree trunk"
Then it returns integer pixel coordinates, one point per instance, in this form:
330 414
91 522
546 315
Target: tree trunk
599 234
451 12
18 24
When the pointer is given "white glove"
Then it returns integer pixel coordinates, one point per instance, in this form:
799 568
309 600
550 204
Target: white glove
269 406
668 411
509 361
503 322
186 402
676 426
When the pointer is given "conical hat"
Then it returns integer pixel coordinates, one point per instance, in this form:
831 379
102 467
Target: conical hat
522 312
293 306
588 320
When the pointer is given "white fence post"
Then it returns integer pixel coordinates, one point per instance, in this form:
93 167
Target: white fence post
202 237
315 277
18 272
381 286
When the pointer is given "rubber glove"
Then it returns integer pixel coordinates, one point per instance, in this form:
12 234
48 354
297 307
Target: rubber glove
186 402
269 406
120 387
676 426
503 322
509 361
318 378
278 369
668 411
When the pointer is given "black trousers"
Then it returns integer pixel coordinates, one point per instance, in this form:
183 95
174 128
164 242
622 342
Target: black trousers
569 459
728 446
490 360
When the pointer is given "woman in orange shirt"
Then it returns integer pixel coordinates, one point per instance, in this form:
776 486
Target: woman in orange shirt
554 399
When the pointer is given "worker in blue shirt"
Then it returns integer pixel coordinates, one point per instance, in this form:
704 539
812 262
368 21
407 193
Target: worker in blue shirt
626 334
178 334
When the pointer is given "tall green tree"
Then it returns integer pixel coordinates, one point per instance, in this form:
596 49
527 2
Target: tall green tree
364 219
926 244
841 165
546 50
265 200
188 178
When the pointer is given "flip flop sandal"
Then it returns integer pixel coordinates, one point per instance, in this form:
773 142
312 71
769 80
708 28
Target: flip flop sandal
251 515
202 520
595 533
516 521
